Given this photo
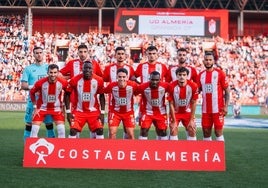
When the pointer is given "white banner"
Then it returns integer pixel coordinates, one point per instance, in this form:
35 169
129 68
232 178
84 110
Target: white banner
172 25
12 106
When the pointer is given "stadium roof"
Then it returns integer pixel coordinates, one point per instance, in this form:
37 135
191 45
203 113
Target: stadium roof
260 6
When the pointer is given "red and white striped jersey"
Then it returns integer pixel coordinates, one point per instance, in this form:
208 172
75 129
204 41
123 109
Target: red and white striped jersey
153 99
85 93
121 99
110 72
212 84
50 94
74 67
183 95
144 70
171 75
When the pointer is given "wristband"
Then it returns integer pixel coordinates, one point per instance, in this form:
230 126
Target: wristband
34 106
102 111
68 111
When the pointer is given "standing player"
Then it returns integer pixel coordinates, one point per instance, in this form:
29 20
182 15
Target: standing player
182 57
74 67
110 71
49 101
215 98
121 104
144 70
30 75
85 88
182 101
153 108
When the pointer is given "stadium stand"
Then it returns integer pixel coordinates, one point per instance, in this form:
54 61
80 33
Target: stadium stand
244 58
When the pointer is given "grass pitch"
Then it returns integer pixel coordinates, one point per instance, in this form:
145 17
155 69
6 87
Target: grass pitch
246 163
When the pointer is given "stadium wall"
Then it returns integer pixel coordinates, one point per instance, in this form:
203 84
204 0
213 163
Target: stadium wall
79 21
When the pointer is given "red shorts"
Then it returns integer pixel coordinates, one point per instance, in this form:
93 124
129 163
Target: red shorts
114 119
57 116
210 119
81 118
159 121
183 118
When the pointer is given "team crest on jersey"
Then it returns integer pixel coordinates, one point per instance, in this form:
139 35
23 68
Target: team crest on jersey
59 88
188 93
94 86
130 23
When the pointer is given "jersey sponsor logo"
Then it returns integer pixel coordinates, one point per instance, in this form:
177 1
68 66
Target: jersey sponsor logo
208 88
86 96
122 101
182 102
155 102
51 98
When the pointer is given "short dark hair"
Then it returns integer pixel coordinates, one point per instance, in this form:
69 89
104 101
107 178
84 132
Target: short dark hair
207 53
122 70
82 46
182 50
119 48
52 66
182 69
87 62
151 48
154 73
37 48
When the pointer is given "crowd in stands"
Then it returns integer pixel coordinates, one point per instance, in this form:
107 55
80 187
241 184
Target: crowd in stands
244 59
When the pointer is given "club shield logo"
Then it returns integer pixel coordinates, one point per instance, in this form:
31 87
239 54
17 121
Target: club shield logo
212 26
130 23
